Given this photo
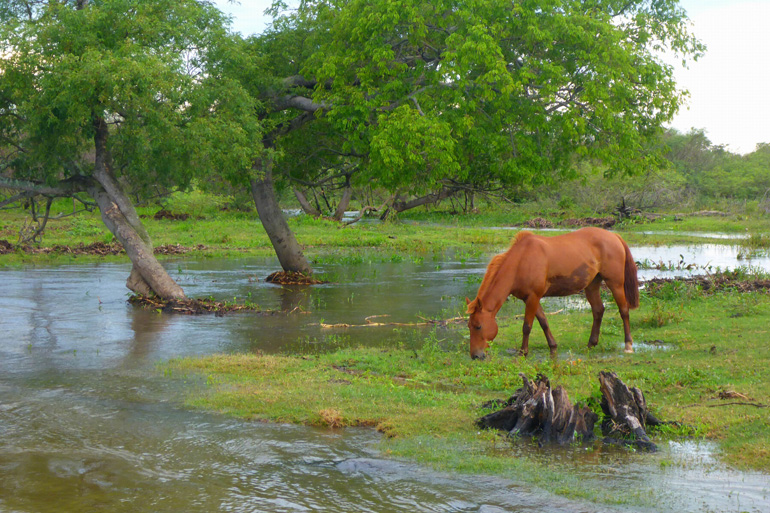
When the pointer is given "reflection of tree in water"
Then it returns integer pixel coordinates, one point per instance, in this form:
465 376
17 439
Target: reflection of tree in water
147 325
292 296
41 323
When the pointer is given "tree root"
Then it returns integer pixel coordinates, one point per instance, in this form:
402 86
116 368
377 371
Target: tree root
292 278
191 306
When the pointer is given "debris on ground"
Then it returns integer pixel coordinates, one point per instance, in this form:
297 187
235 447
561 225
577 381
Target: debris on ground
292 278
165 214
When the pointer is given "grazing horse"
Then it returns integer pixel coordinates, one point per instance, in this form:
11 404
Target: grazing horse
535 266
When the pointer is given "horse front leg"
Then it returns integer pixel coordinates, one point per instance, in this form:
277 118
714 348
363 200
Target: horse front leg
531 306
540 314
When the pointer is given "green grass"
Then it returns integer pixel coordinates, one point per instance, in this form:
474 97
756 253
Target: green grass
227 233
426 400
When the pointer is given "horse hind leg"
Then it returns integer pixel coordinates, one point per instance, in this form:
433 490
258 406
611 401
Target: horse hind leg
540 314
594 297
620 298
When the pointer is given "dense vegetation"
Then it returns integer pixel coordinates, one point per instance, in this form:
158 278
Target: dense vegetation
422 100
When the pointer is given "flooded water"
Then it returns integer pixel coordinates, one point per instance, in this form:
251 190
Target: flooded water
87 423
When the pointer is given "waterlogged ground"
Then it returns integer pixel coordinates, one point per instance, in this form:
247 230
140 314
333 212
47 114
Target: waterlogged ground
87 423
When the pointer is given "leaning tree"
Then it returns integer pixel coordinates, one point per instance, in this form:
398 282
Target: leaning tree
421 97
97 96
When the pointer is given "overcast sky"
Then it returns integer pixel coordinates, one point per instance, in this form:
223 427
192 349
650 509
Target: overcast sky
729 87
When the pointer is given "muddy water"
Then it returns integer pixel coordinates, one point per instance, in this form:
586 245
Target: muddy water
88 424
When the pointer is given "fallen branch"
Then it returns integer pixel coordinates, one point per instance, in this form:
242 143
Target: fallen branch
369 324
757 405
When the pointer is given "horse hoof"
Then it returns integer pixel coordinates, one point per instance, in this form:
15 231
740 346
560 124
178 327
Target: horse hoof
629 350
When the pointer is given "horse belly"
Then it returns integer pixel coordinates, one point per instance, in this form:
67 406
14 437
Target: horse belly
569 284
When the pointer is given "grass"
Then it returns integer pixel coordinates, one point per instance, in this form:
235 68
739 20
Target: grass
426 400
227 233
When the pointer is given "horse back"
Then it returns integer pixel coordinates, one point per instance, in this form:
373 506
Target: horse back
567 264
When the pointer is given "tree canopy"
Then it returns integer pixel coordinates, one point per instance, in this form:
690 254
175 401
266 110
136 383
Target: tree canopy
98 95
424 92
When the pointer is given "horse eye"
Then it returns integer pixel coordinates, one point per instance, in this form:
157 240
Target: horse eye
478 327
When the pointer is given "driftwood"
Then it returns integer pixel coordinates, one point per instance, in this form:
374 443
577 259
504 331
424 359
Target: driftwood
536 410
370 324
539 411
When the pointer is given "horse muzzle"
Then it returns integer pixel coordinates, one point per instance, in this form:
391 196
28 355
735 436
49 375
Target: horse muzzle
481 355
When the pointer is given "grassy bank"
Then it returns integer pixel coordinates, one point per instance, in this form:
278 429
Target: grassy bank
696 352
227 233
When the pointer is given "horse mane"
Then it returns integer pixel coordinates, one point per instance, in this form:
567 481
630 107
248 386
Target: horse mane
492 269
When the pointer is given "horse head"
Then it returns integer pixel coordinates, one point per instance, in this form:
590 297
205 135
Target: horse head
482 326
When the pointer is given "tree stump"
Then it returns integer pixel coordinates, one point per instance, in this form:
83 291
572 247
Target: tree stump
625 413
537 410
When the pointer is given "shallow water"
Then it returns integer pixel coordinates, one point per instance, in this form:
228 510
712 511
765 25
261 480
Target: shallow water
88 424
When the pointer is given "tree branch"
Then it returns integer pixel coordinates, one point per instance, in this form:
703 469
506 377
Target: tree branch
63 188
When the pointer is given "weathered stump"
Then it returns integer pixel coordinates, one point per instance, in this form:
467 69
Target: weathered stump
625 413
536 410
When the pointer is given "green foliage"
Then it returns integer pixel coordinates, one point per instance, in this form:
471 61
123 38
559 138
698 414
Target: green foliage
145 68
414 94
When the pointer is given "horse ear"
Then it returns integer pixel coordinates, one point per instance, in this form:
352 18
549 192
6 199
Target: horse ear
478 303
467 301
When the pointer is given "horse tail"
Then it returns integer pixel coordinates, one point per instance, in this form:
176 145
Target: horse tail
631 280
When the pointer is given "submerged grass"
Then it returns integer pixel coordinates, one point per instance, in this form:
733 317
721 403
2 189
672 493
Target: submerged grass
695 351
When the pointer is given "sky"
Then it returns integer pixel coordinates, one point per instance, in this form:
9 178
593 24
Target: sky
729 86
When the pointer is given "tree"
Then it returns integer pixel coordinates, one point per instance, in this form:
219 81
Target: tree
97 96
420 96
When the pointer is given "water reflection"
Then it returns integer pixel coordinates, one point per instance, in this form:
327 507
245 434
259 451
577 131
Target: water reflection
86 424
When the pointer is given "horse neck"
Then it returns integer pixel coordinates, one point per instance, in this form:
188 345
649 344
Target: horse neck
496 290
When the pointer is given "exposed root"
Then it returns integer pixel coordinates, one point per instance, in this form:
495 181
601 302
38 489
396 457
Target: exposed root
292 278
191 306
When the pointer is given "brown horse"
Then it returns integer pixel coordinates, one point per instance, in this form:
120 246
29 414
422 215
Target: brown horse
535 266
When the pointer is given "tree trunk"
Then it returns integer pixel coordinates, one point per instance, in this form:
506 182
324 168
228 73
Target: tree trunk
118 213
344 203
287 249
625 413
402 205
305 204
